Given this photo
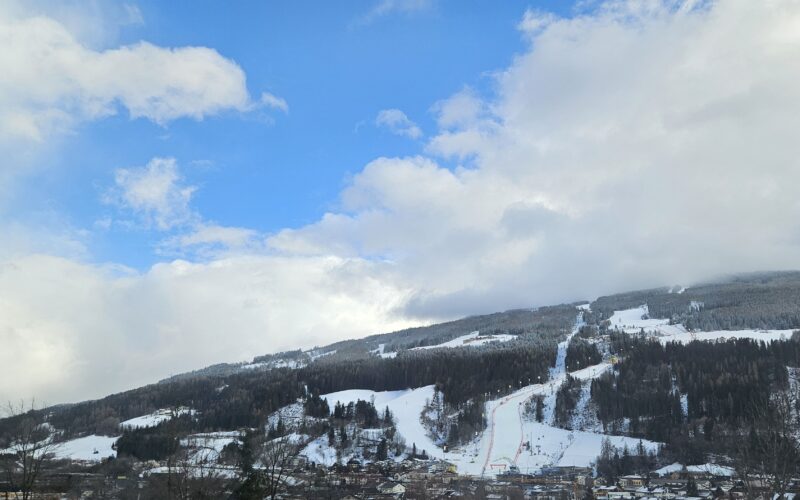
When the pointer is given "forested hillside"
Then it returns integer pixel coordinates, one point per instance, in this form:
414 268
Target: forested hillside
574 373
758 300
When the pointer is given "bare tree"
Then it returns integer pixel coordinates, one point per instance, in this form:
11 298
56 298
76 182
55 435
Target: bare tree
28 445
276 456
769 456
195 473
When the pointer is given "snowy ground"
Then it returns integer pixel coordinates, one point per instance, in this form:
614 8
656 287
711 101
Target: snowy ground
207 446
471 339
154 418
88 448
380 351
630 321
292 364
763 335
713 469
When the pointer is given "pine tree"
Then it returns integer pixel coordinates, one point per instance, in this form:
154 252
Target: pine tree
382 452
691 487
331 436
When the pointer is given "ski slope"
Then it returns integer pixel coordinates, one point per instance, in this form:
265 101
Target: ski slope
631 321
471 339
88 449
405 405
502 443
155 418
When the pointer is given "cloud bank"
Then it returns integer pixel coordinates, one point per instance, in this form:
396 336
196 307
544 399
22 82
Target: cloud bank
635 144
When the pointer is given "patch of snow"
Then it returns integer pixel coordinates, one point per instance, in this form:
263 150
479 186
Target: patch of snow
470 339
584 307
712 469
669 469
633 320
292 364
155 418
291 415
315 355
88 449
380 351
685 337
406 407
319 452
206 447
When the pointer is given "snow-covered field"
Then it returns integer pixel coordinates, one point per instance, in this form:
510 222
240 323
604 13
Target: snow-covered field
763 335
631 321
88 448
155 418
713 469
206 447
470 339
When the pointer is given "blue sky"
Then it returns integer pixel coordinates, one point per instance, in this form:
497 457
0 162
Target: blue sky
188 183
335 67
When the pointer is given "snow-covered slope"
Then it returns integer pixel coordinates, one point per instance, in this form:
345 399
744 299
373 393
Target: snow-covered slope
632 321
473 339
88 448
155 418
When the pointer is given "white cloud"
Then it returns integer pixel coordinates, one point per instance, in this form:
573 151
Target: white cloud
209 240
53 81
272 101
156 193
383 8
71 331
398 123
533 21
637 144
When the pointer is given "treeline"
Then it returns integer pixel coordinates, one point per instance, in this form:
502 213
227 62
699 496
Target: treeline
752 301
460 373
567 397
242 400
548 323
674 392
581 353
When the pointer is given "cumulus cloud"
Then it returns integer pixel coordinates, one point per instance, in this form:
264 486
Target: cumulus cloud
632 145
398 123
156 193
52 80
636 144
